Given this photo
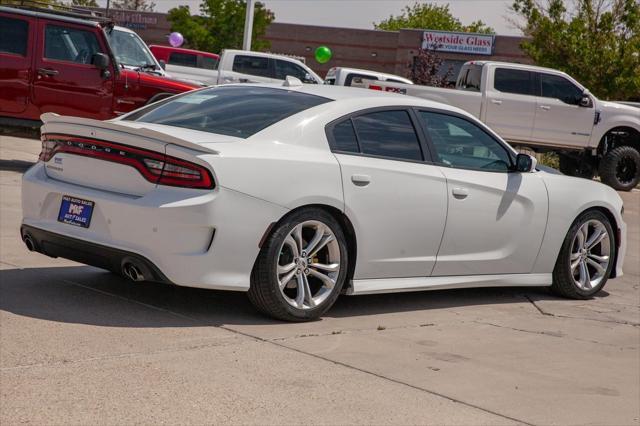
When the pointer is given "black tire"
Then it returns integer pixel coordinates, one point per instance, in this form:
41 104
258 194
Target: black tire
620 168
264 291
571 166
563 280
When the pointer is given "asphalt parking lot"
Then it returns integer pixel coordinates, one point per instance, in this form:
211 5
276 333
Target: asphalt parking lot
79 345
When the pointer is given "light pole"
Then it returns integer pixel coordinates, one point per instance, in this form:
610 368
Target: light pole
248 26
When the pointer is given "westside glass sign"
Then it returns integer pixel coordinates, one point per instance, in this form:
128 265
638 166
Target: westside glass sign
477 44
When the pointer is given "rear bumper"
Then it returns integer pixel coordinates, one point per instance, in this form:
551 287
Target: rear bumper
193 238
109 258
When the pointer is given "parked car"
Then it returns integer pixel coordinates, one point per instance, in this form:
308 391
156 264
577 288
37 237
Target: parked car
244 66
74 65
186 63
547 110
341 76
301 192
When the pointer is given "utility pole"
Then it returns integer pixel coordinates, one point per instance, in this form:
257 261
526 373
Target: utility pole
107 11
248 26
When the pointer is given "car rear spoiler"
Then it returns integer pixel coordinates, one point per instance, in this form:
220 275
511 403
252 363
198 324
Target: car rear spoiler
51 118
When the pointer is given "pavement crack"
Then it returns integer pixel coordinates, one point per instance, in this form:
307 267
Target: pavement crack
550 314
310 354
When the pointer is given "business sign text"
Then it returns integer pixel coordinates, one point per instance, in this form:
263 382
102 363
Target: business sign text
477 44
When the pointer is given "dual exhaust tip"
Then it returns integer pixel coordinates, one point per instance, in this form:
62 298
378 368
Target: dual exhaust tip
131 268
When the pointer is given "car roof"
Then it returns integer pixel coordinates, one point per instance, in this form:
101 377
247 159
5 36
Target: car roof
52 16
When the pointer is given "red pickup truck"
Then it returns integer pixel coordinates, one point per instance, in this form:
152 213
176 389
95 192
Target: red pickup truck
74 65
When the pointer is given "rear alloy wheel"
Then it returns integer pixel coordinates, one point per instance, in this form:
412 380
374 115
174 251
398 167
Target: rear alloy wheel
301 268
586 257
620 168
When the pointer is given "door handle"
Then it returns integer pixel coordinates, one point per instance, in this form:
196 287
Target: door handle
361 180
460 193
47 71
545 107
496 101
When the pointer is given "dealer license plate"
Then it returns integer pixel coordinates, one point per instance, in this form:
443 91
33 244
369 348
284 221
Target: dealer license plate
75 211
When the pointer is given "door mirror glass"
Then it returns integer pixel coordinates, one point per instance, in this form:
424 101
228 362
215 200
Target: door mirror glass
163 64
525 163
100 60
585 101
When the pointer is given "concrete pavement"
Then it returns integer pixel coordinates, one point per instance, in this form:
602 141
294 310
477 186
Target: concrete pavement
79 345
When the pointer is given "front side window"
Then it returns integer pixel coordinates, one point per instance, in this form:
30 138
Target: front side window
183 59
14 36
228 110
285 68
252 65
555 86
129 49
519 82
388 134
70 44
461 144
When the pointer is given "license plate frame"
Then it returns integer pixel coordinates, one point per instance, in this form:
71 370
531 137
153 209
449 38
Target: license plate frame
76 211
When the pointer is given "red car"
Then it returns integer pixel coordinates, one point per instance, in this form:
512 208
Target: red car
185 57
74 65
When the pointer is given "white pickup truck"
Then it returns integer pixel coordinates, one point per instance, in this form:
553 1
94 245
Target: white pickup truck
546 110
243 66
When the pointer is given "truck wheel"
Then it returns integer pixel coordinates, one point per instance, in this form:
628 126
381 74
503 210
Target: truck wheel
571 166
620 168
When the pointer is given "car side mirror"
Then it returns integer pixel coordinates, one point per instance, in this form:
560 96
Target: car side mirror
585 101
163 64
100 61
525 163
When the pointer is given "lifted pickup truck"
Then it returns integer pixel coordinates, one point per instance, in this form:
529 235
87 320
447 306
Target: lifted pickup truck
546 110
244 66
52 61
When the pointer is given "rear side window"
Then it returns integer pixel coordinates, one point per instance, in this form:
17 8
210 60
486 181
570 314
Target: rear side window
228 110
357 78
14 35
252 65
388 134
183 59
555 86
514 81
469 78
344 137
69 44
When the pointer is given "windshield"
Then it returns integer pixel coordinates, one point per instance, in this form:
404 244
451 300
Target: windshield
228 110
129 49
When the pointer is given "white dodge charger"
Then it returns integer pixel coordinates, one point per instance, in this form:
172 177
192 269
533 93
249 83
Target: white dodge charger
297 194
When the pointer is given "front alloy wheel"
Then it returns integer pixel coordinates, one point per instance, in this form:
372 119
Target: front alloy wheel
301 268
586 258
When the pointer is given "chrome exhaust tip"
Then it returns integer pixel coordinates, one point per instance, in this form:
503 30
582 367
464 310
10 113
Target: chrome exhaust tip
28 241
132 272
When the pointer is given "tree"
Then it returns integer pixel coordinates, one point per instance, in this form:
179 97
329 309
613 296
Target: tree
424 69
84 3
430 16
595 41
141 5
220 25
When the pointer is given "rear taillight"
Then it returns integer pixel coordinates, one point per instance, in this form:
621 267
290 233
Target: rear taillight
153 166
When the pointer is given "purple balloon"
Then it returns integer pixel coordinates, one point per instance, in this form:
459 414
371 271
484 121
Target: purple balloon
176 39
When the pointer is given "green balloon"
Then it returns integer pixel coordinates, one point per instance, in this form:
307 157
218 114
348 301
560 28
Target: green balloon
323 54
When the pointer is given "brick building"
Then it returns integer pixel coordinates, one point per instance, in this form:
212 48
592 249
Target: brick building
386 51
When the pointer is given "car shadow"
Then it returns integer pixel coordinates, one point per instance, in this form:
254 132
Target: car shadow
86 295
